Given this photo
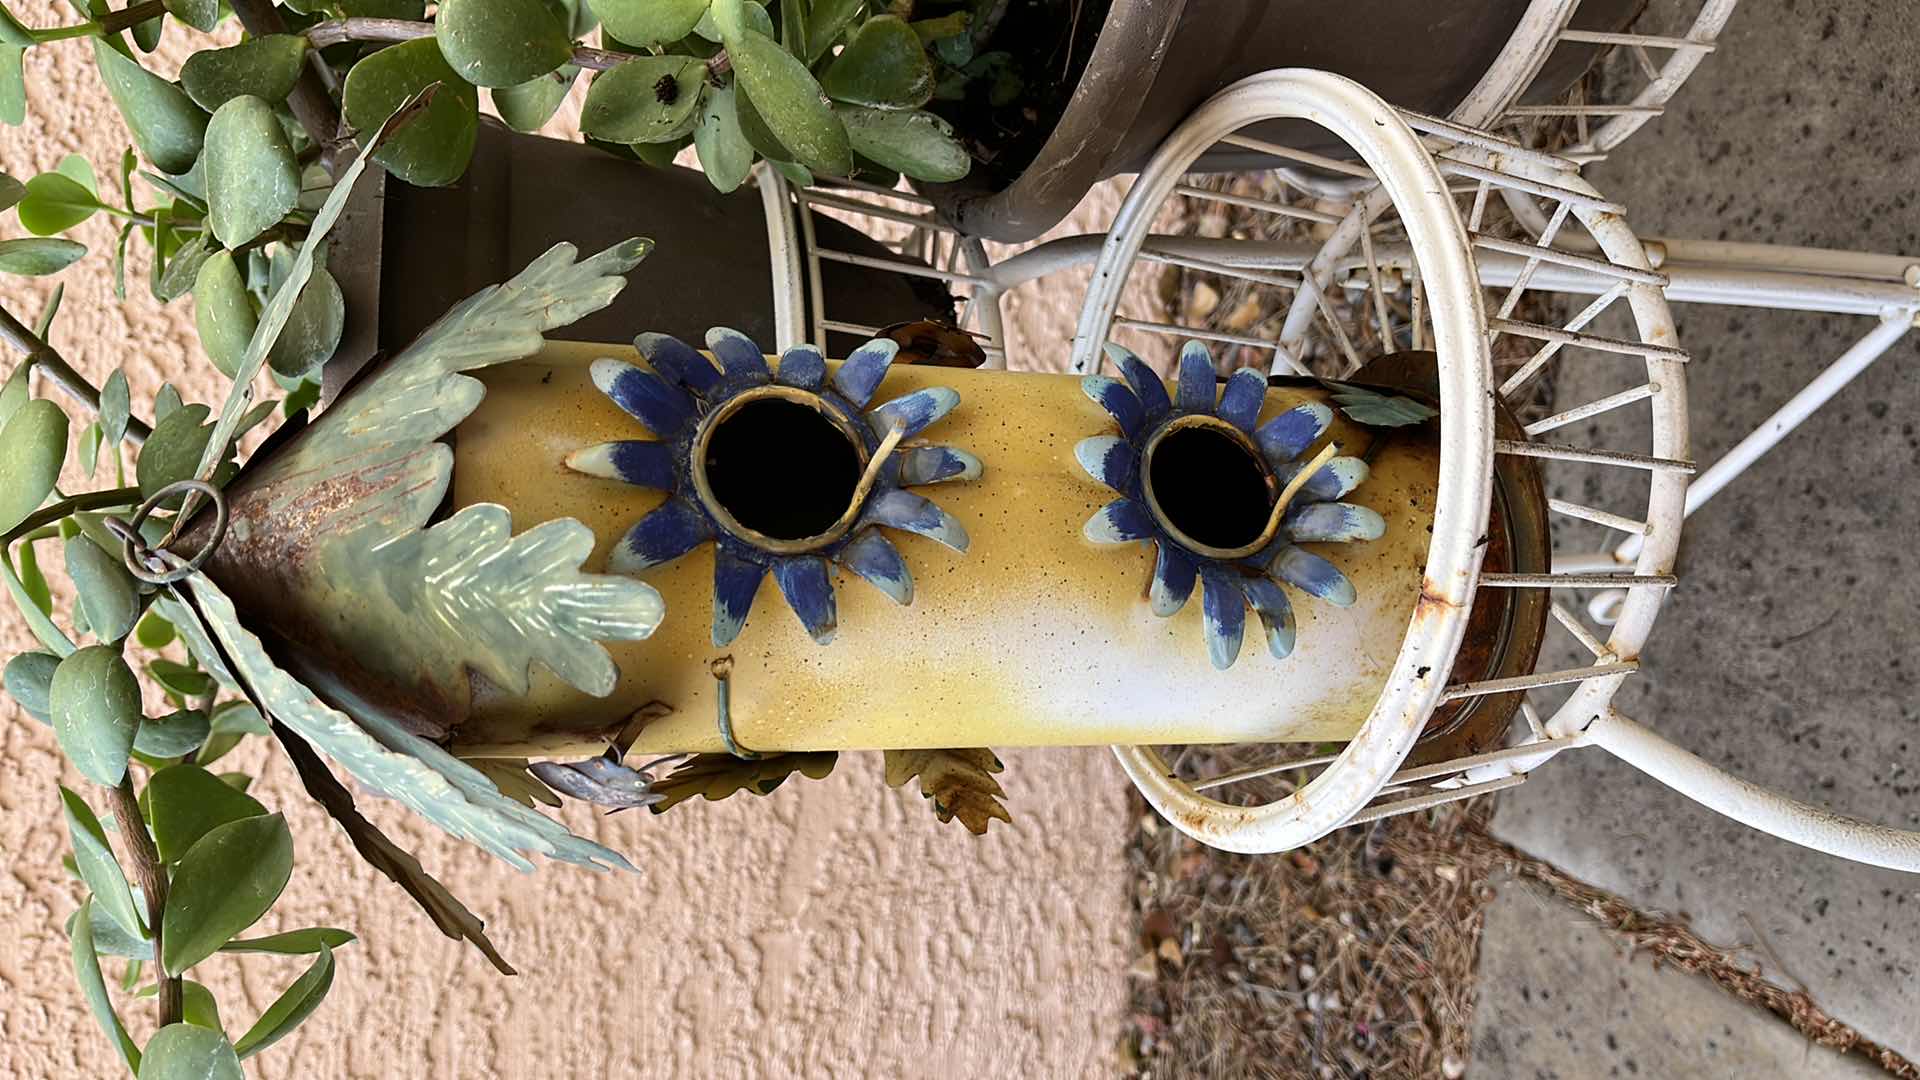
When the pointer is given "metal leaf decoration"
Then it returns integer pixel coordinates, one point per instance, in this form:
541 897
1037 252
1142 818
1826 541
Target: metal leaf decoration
392 761
716 776
1375 409
960 783
603 780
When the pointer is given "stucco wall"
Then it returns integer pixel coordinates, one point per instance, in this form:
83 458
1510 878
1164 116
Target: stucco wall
833 928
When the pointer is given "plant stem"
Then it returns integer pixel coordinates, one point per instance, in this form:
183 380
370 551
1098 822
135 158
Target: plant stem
111 23
43 356
361 28
152 877
311 101
86 500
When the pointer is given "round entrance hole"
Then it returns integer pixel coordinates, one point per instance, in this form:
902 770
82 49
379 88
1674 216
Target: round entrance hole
1209 486
781 468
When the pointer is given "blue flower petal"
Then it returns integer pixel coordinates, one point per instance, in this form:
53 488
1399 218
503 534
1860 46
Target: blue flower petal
860 374
1288 435
1334 480
914 412
664 408
873 556
1276 614
1108 460
739 357
635 461
908 512
1240 402
1223 615
1173 574
735 582
933 464
678 362
809 592
661 537
803 367
1147 386
1112 395
1121 521
1195 389
1314 576
1333 521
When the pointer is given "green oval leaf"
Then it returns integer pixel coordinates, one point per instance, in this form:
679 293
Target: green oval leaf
432 150
199 14
154 631
167 126
654 99
109 597
38 257
55 203
791 103
176 734
11 191
13 33
501 42
93 986
93 858
528 106
826 22
96 710
884 66
292 942
116 408
291 1007
13 393
223 312
33 446
189 1052
313 328
188 802
725 155
183 268
147 34
29 682
13 86
225 882
179 679
919 144
252 180
173 451
649 22
265 67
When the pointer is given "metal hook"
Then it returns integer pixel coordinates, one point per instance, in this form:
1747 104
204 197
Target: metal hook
722 670
160 566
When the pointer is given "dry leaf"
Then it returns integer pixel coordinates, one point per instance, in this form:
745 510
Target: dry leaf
959 782
510 775
716 776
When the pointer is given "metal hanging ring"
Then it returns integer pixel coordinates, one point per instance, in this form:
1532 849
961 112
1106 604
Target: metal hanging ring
163 567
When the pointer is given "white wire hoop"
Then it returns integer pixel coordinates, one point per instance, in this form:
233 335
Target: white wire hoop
1411 182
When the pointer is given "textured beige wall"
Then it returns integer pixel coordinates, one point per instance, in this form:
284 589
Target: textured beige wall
833 928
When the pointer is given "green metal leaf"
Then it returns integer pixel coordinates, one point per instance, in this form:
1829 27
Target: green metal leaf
653 99
1374 409
528 106
226 881
786 97
93 858
188 802
29 681
167 126
919 144
223 312
38 256
313 328
884 66
252 180
108 594
503 42
93 986
176 734
33 446
264 67
55 203
826 22
189 1052
199 14
725 155
649 22
292 942
295 1004
434 148
95 701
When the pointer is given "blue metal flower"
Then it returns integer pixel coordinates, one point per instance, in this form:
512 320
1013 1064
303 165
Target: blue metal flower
1250 574
686 398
